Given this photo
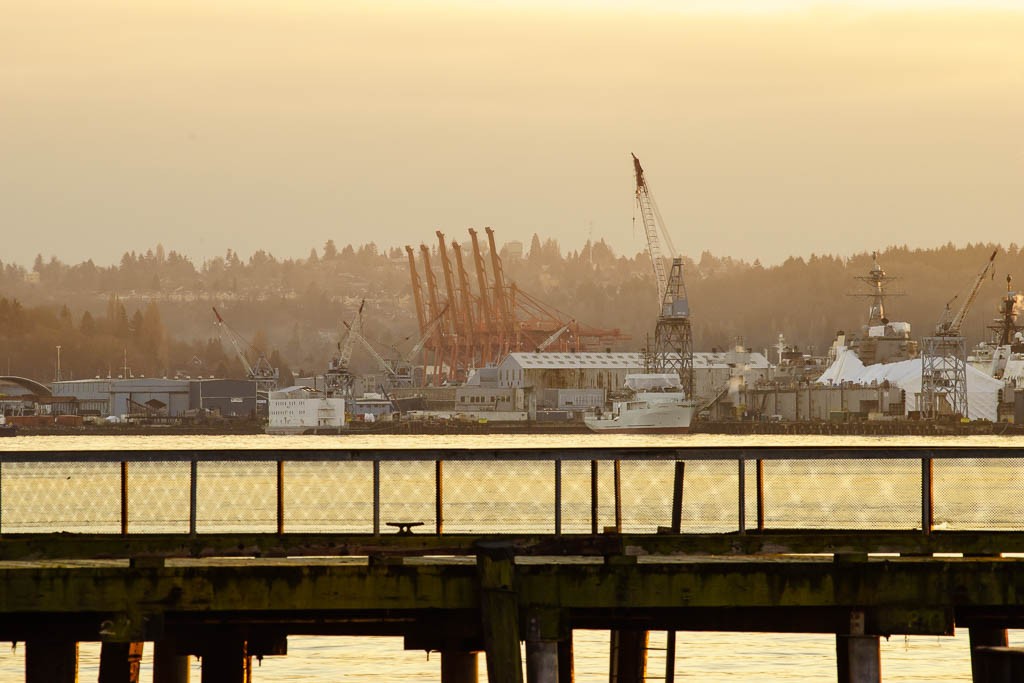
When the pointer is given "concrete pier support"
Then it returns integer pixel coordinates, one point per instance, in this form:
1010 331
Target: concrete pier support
984 637
169 666
120 662
459 667
227 661
499 612
858 656
51 661
542 661
859 659
628 661
994 664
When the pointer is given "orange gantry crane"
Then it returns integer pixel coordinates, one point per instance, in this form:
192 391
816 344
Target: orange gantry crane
480 328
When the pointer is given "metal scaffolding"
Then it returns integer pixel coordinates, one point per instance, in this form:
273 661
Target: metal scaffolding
943 377
673 338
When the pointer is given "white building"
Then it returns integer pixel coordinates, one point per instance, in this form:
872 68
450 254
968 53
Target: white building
712 371
299 409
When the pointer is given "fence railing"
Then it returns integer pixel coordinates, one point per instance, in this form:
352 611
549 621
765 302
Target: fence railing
537 491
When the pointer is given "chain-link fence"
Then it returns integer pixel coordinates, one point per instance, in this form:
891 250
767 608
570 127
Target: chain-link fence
512 492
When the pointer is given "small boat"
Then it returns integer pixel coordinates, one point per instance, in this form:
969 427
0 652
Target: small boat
655 404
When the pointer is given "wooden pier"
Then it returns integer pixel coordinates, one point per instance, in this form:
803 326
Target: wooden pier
581 548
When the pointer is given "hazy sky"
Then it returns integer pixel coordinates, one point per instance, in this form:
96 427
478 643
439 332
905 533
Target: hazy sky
766 128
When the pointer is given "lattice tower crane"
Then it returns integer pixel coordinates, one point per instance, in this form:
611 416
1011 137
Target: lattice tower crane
673 336
265 376
944 358
339 377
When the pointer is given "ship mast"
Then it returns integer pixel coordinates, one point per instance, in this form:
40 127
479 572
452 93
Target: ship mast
877 282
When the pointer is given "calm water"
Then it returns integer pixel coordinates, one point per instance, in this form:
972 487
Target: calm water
706 657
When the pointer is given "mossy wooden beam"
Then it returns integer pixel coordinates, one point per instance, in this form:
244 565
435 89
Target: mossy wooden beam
37 547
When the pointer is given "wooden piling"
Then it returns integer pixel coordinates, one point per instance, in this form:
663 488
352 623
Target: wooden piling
670 657
169 666
459 667
566 665
51 661
120 662
227 660
499 612
628 661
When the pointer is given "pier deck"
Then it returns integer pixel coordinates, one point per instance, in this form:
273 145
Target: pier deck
194 552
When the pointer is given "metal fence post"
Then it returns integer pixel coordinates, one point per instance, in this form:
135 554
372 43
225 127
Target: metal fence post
927 496
618 496
760 495
677 497
192 496
280 496
439 496
558 497
742 494
124 497
593 496
376 497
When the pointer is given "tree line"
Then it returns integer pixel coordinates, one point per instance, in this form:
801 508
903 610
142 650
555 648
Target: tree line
150 313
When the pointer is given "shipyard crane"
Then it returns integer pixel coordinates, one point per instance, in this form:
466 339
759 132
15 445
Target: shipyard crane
944 357
339 378
949 325
260 371
653 225
384 365
398 372
673 336
431 326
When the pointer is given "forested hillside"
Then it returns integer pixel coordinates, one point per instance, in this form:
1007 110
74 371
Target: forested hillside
151 312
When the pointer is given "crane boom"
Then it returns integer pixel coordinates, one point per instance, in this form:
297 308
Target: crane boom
431 326
372 351
952 327
261 371
653 224
348 340
554 336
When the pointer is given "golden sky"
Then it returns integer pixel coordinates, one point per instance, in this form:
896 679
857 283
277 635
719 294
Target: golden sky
766 128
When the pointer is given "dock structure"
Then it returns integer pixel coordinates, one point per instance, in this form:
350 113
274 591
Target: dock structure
129 547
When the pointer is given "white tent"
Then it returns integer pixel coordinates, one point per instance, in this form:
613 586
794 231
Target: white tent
982 390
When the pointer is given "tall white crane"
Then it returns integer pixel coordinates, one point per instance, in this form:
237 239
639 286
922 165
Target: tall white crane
260 371
653 225
673 337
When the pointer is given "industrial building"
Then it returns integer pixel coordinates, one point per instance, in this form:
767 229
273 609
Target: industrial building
713 371
158 397
228 397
